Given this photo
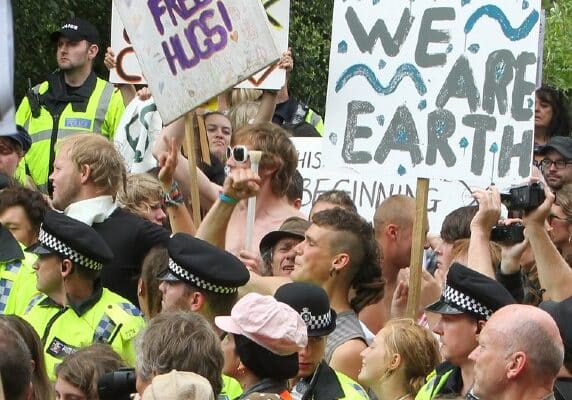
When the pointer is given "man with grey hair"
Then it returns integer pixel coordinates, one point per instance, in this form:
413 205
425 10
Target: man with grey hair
519 355
183 341
15 365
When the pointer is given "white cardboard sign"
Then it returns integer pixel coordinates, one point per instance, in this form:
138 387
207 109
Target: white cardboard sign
369 190
191 51
433 89
278 18
7 110
127 69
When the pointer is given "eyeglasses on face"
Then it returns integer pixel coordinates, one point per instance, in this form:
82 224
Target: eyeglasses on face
559 164
238 152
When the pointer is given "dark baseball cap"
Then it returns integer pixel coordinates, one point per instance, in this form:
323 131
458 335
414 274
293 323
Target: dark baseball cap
561 144
77 29
562 314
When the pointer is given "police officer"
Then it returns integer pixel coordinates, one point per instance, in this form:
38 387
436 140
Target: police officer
316 379
13 146
74 310
72 100
205 279
200 277
17 278
467 302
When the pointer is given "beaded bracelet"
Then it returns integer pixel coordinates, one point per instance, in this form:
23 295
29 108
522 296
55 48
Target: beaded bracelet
174 197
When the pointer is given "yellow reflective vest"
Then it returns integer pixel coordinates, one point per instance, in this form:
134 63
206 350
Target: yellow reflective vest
231 389
105 317
102 115
17 283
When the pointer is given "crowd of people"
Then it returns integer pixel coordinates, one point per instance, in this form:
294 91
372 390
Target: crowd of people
109 287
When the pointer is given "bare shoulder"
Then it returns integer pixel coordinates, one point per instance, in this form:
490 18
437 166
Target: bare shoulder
346 358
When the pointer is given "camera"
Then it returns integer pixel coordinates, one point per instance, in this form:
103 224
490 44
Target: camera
523 198
508 234
117 385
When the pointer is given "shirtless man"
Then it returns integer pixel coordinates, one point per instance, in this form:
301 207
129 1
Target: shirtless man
276 169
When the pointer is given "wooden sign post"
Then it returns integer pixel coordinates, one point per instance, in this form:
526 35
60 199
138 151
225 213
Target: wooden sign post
418 240
192 159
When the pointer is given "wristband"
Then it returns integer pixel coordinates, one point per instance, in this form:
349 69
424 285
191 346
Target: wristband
227 199
174 197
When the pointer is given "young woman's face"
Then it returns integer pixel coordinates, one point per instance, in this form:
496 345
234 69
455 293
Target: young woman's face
543 113
67 391
219 132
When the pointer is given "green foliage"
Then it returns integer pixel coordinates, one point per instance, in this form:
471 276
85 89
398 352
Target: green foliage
35 20
557 48
310 31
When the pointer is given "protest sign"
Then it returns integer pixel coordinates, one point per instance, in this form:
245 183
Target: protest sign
127 69
190 52
369 190
433 89
278 18
7 110
138 128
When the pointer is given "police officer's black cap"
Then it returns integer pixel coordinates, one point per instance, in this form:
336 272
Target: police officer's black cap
313 305
561 312
203 265
470 292
77 29
72 239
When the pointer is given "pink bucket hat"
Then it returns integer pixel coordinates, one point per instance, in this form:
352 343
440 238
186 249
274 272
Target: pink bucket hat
267 322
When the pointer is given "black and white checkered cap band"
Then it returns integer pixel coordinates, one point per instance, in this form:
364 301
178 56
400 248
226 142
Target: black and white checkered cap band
53 243
185 275
466 303
316 322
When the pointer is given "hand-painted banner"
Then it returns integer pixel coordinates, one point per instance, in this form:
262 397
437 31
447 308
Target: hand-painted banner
433 89
127 69
278 18
191 51
369 190
7 110
140 125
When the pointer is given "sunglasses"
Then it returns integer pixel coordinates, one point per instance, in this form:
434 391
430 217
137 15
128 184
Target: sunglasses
238 152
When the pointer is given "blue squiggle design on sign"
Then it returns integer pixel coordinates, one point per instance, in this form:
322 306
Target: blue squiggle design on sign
496 13
404 70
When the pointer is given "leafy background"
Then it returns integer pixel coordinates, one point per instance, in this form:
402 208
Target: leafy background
310 29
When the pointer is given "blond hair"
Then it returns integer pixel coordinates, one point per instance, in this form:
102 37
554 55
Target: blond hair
139 193
243 114
106 166
417 347
460 252
564 199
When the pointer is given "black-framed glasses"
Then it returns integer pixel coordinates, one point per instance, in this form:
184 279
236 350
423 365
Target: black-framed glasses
238 152
559 164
